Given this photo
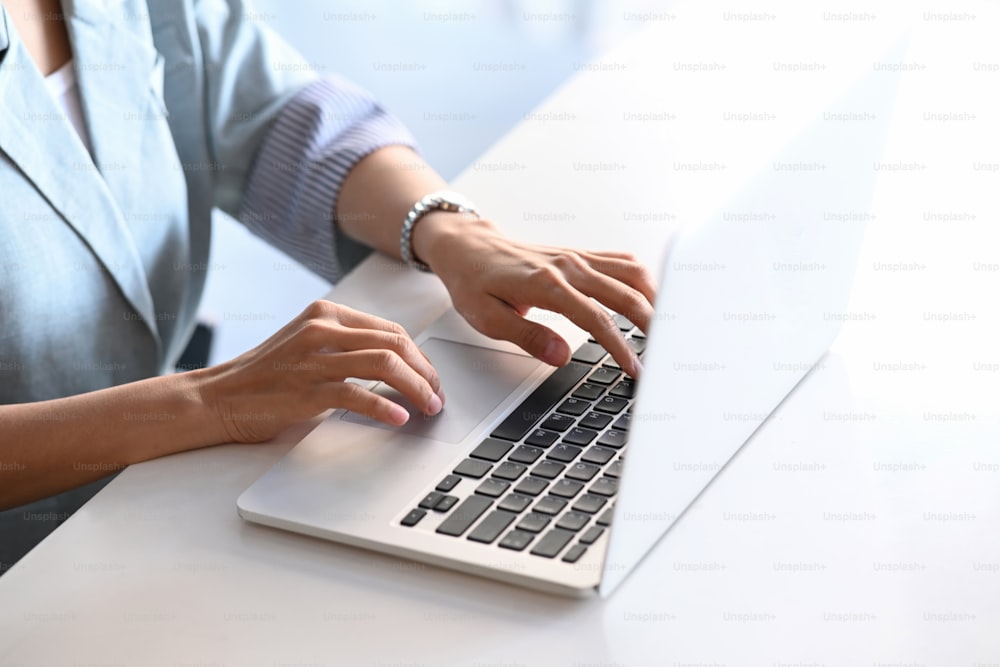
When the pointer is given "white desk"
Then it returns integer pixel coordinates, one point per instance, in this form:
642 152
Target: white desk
860 526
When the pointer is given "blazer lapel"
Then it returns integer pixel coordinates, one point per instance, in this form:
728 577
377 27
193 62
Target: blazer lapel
115 68
37 137
4 39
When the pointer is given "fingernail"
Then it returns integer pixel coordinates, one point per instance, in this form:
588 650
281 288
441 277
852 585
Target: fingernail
440 393
435 405
553 352
399 415
637 365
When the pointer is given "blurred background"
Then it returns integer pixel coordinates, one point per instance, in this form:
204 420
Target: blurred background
459 74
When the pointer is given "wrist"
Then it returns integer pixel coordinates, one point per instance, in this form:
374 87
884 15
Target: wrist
199 392
161 415
440 232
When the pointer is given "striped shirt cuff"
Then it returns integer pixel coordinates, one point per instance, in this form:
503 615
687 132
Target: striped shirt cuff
291 196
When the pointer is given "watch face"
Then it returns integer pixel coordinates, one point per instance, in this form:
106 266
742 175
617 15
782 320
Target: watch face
455 199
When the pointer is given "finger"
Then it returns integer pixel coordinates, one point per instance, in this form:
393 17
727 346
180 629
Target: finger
612 254
631 273
361 320
321 319
496 319
614 294
554 292
349 396
438 388
384 365
326 312
331 328
350 340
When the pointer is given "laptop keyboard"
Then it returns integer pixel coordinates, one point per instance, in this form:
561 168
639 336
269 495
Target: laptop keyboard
545 479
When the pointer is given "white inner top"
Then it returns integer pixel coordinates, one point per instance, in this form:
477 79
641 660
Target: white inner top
62 86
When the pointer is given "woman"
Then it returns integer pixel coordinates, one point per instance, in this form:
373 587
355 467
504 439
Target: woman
123 125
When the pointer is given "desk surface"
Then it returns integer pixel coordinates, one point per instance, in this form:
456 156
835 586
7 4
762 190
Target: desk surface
859 526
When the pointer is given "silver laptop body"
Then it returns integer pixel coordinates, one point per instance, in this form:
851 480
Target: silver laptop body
746 307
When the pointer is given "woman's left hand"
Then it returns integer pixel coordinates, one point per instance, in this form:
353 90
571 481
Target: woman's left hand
494 281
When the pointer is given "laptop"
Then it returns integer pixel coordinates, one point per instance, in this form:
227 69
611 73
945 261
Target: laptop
562 480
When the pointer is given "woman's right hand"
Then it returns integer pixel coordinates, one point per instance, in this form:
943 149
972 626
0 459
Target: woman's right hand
301 371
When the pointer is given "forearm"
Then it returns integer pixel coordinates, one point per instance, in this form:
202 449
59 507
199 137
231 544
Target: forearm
51 446
378 193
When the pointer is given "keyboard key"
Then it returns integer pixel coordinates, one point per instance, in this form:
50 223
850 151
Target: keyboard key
515 503
574 553
615 469
541 438
624 389
605 518
573 521
589 503
589 353
579 436
558 422
564 453
517 540
552 543
430 500
533 522
583 472
472 468
490 528
494 488
638 345
613 438
491 449
446 503
508 470
588 391
595 420
548 469
591 534
413 518
449 483
624 324
598 455
611 404
566 488
605 486
574 407
525 454
623 422
549 505
464 515
523 418
531 486
611 363
603 376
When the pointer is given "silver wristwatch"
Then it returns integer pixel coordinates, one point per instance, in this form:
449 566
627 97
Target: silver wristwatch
442 200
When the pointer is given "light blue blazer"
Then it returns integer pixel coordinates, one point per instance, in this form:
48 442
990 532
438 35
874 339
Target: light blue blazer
189 105
102 267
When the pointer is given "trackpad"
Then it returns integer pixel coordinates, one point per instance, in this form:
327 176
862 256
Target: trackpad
475 381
